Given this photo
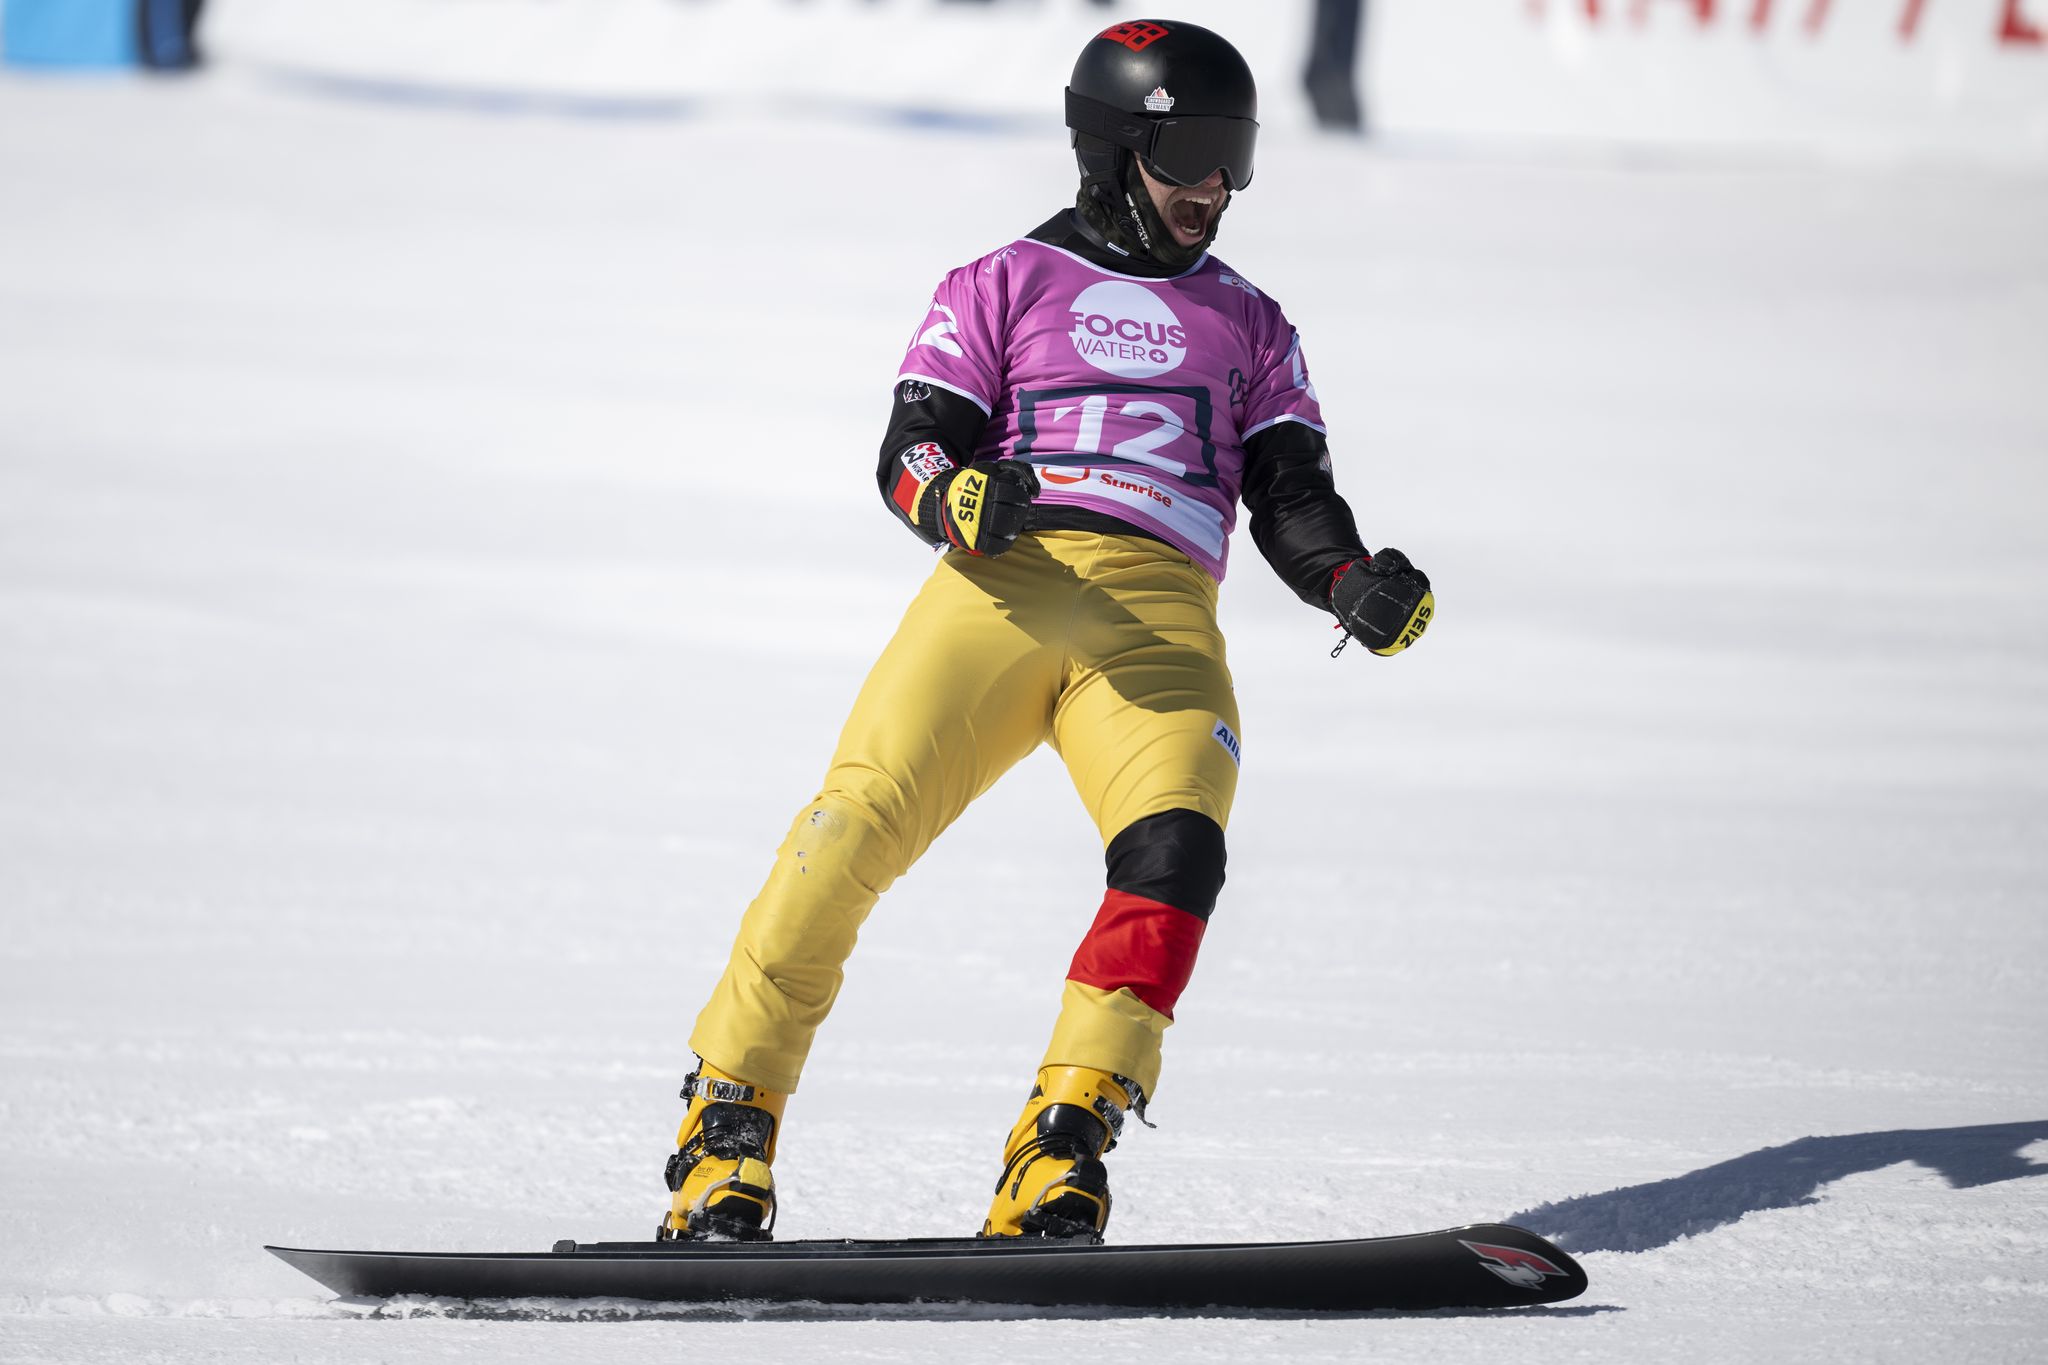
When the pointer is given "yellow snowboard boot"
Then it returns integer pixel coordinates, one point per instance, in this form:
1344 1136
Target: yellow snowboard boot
719 1177
1054 1183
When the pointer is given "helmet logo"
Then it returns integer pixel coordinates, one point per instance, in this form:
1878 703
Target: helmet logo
1159 102
1125 329
1137 36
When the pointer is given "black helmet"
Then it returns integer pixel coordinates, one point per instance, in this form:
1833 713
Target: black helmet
1176 95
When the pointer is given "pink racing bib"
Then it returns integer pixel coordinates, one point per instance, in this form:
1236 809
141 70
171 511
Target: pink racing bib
1129 396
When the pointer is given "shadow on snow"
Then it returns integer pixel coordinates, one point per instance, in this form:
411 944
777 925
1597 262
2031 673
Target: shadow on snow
1642 1217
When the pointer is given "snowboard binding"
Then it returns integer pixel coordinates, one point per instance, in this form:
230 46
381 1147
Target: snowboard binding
719 1180
1054 1183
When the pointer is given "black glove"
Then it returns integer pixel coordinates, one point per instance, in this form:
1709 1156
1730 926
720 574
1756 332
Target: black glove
980 508
1382 601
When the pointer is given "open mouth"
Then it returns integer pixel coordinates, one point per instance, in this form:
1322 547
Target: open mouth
1190 213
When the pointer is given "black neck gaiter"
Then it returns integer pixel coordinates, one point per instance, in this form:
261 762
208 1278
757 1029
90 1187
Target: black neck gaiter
1120 212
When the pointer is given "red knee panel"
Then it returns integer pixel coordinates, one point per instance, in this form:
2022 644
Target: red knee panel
1144 946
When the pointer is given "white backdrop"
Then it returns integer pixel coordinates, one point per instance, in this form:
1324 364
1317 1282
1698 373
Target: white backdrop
1862 77
1887 78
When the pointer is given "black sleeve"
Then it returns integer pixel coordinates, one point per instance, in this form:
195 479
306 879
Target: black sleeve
1299 522
924 415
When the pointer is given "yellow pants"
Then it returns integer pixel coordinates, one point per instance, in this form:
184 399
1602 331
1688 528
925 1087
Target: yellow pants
1104 646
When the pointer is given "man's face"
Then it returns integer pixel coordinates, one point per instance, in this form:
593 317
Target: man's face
1187 210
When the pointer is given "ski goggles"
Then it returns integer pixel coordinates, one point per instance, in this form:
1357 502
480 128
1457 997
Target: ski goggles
1180 151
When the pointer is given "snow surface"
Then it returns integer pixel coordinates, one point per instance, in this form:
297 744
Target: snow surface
405 677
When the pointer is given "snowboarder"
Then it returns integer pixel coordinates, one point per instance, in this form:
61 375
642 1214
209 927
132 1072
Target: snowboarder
1075 421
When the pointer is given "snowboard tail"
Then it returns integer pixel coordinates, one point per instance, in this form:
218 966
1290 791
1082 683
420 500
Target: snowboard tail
1489 1265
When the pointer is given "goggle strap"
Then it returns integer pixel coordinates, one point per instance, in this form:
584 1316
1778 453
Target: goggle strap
1109 123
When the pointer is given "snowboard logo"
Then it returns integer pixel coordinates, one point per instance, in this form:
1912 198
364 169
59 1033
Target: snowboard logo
1523 1269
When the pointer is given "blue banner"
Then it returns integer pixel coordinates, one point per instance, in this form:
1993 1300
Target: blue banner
69 33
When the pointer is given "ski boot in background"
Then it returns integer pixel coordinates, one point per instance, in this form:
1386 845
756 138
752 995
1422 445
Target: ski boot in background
1054 1183
719 1179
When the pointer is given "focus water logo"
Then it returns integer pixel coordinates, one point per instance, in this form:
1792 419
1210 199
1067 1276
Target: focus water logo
1126 330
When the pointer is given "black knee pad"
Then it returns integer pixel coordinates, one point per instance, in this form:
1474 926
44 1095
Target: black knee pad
1174 857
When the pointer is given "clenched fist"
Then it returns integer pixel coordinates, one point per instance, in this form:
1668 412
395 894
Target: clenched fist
1383 601
980 508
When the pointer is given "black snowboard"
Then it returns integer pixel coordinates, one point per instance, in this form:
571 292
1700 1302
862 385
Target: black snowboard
1489 1265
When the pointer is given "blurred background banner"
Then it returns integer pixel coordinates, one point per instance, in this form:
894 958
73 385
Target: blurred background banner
69 33
98 34
1956 79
